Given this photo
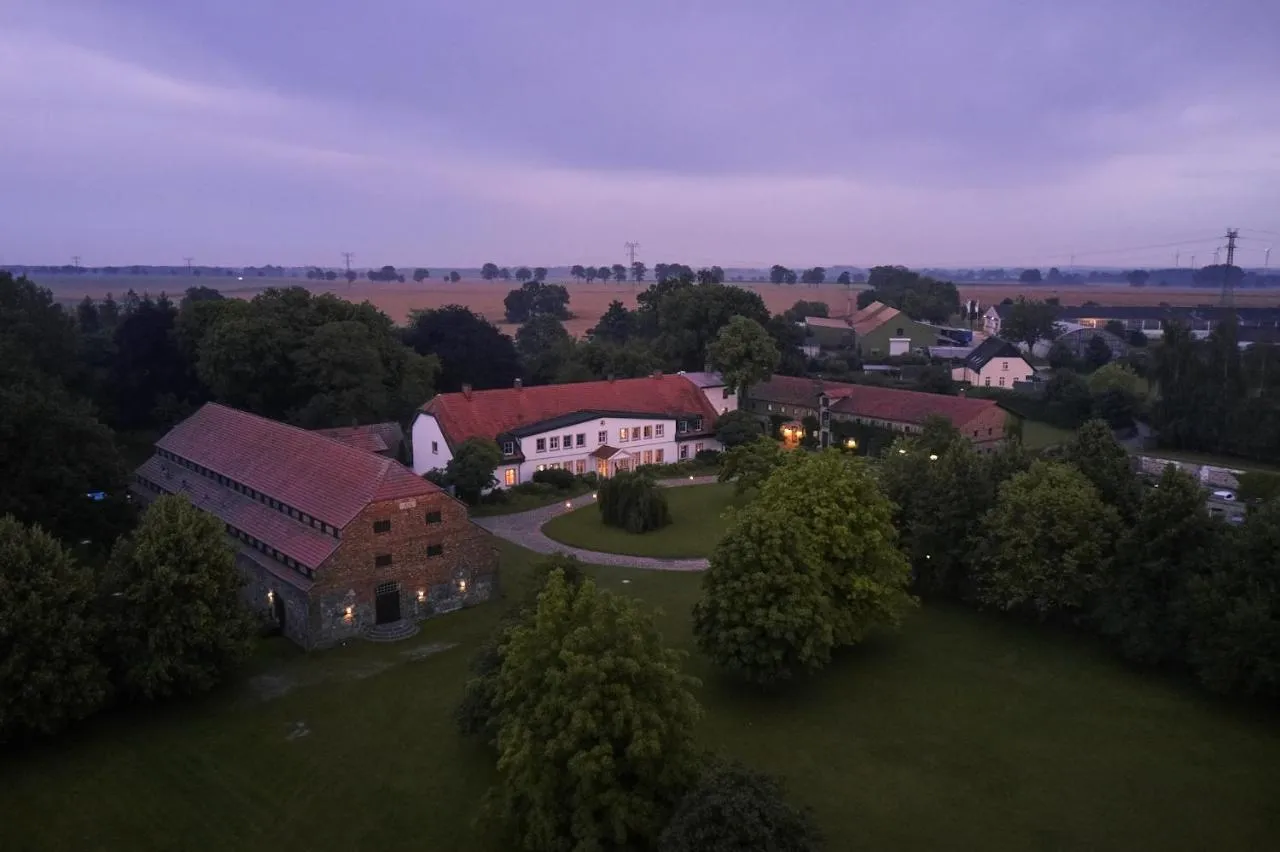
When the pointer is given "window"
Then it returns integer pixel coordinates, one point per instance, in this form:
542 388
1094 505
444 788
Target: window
699 447
1004 365
724 394
602 437
659 430
542 467
682 426
684 451
581 440
555 443
434 517
622 434
541 445
635 433
435 448
648 432
508 448
657 456
648 457
697 424
899 331
382 560
435 550
1002 381
987 381
566 441
509 477
580 466
382 526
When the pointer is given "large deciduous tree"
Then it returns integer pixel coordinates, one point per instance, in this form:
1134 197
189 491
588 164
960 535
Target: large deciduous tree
732 809
1029 322
471 350
1096 453
470 471
595 733
50 673
749 464
1046 544
734 428
633 502
744 354
809 567
176 622
544 347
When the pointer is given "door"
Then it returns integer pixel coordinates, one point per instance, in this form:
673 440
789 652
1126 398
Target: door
387 603
277 604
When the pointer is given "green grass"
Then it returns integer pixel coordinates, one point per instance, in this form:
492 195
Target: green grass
962 731
697 523
518 502
1037 435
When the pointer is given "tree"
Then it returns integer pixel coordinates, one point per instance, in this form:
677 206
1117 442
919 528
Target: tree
420 275
778 274
633 502
1170 541
743 353
36 335
732 809
918 296
1137 278
619 273
1096 353
1030 322
1233 606
470 471
350 275
454 277
735 428
50 674
682 318
638 271
175 621
1095 453
591 702
748 465
615 325
802 309
814 276
1117 328
1061 357
808 567
523 274
534 297
1046 544
489 271
845 278
471 350
1030 276
504 273
540 273
577 271
591 274
544 348
1115 389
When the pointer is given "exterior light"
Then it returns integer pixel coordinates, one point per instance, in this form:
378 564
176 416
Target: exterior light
348 615
271 596
851 444
568 505
593 495
462 585
422 595
933 456
902 452
691 476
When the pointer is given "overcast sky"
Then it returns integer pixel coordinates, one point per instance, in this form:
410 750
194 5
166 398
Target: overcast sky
719 131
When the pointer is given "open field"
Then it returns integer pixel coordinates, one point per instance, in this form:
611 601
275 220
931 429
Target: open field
963 731
589 301
697 525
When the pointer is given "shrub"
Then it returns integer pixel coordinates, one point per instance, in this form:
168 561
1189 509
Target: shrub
733 808
707 456
633 502
557 478
533 489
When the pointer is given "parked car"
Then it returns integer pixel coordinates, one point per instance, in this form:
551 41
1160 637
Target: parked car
1225 496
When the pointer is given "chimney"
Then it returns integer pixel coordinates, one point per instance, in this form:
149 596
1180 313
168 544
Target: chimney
519 384
466 391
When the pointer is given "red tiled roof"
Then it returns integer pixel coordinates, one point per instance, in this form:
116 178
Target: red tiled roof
898 406
490 413
314 474
372 438
304 543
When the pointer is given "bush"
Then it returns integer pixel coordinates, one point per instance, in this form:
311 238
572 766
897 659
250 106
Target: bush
533 489
557 478
707 457
733 808
633 502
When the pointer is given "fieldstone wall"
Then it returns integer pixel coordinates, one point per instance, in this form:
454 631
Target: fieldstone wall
1207 475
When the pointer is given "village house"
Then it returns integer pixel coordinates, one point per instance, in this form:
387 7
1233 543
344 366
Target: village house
334 541
982 421
1149 319
881 331
994 363
602 427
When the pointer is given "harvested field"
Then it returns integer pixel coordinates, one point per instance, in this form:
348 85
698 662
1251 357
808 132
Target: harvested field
589 301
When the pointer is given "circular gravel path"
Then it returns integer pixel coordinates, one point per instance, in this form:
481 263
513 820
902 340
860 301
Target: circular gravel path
525 529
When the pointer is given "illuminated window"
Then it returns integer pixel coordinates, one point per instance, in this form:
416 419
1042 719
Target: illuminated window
657 456
699 447
509 477
648 457
622 434
580 466
684 451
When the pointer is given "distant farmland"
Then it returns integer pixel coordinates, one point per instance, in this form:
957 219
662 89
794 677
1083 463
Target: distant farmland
589 301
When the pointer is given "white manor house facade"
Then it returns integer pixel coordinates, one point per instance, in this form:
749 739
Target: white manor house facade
602 427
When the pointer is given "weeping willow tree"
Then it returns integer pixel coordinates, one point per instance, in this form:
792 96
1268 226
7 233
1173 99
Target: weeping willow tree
633 502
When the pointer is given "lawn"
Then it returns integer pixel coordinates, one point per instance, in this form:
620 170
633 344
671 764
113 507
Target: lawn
963 731
522 502
1037 435
697 523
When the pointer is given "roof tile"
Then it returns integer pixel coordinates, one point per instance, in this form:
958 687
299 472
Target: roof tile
898 406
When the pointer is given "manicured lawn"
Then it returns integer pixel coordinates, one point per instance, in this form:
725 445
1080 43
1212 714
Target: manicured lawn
518 502
961 732
697 523
1037 435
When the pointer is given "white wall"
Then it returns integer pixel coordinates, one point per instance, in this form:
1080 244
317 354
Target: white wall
426 431
720 402
1010 369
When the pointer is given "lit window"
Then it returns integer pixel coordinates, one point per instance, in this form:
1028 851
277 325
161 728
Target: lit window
699 447
382 560
541 445
382 526
581 440
657 456
435 550
648 457
622 434
602 437
542 467
509 477
555 443
434 517
580 467
508 448
648 432
659 430
684 451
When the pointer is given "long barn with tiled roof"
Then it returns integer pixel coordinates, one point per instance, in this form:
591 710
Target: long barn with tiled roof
600 427
334 540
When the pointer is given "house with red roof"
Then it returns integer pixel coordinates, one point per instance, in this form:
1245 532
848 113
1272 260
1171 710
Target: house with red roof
980 420
334 540
599 427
